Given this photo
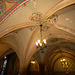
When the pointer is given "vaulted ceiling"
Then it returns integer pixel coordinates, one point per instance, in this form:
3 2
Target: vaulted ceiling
20 20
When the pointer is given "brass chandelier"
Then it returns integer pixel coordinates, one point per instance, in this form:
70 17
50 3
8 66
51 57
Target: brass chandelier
64 63
41 44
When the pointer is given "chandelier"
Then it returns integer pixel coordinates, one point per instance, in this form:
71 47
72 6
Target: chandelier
64 63
41 44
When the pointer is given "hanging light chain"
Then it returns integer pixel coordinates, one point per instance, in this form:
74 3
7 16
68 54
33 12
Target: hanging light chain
41 31
41 44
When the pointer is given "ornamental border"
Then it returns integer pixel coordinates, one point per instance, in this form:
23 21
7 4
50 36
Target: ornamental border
11 9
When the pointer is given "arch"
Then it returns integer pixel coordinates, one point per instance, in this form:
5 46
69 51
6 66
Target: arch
7 53
33 67
16 27
15 50
67 64
68 38
55 57
61 4
60 39
56 50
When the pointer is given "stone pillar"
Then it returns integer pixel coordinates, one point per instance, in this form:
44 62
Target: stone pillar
23 67
41 66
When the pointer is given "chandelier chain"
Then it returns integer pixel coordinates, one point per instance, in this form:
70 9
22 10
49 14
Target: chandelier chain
41 31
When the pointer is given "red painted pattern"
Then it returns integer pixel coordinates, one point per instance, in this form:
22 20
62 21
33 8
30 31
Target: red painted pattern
6 15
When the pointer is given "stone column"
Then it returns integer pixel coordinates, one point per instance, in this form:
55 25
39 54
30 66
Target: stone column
23 67
41 67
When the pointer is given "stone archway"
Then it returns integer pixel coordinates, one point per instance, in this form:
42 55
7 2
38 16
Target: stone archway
33 67
64 67
12 55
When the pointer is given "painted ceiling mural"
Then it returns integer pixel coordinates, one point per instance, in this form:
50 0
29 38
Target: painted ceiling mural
36 16
52 19
2 7
6 6
12 1
44 28
9 6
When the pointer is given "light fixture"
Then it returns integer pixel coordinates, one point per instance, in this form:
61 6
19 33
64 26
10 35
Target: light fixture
33 62
41 44
64 63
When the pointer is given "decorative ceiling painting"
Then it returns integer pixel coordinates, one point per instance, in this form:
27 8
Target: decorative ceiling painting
32 28
12 1
2 7
52 19
7 6
36 16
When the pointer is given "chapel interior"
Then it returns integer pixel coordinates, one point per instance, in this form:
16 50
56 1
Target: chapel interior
37 37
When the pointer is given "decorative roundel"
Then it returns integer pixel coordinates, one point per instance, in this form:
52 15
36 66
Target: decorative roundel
52 19
12 1
32 28
35 16
55 19
45 28
49 20
2 7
